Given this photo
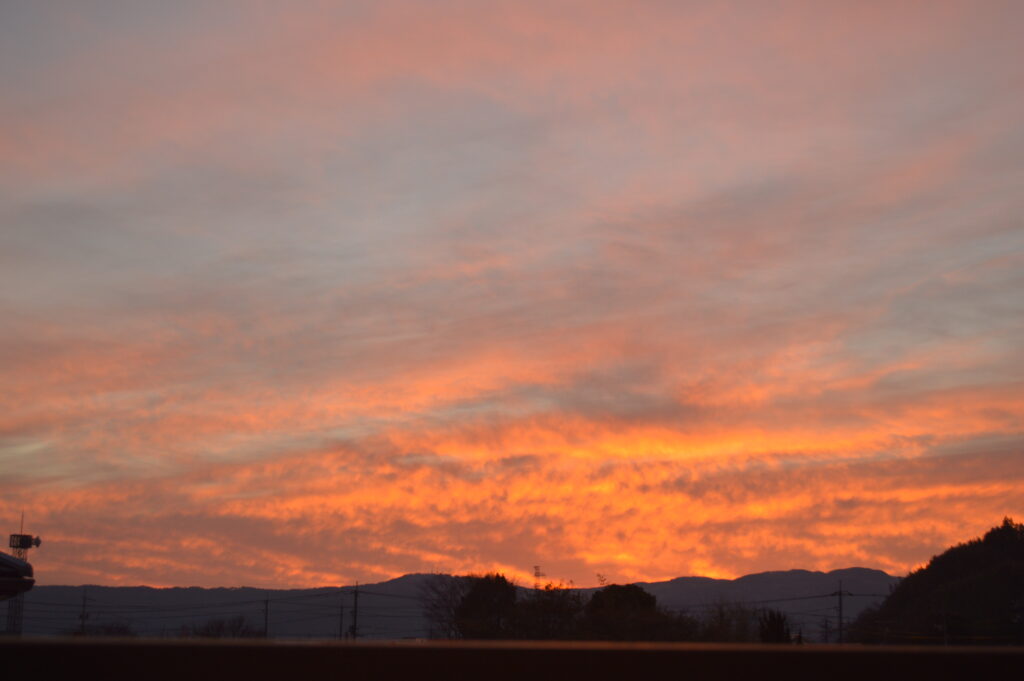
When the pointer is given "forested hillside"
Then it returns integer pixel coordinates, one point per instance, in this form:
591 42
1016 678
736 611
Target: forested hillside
971 594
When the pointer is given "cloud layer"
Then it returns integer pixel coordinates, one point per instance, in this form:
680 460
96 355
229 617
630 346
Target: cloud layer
309 296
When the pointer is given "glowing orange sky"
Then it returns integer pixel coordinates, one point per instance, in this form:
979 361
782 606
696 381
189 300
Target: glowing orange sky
296 296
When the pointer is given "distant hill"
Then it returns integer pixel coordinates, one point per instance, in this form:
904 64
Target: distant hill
971 594
393 609
809 599
389 610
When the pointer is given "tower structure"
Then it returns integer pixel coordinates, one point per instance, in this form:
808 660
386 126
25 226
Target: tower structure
19 544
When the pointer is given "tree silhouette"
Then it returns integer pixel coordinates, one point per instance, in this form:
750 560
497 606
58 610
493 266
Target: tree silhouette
628 613
487 610
551 613
773 627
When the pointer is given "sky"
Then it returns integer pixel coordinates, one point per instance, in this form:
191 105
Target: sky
298 294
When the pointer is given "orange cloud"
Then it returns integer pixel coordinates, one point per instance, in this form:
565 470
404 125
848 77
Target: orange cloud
293 297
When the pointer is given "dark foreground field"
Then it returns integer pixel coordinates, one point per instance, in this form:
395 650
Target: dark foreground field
69 658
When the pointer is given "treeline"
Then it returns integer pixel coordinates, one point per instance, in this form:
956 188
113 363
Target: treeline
490 607
217 627
972 593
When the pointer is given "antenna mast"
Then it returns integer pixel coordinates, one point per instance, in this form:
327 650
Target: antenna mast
19 544
537 574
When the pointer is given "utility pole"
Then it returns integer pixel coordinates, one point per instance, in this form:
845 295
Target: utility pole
83 616
355 613
945 623
840 593
341 613
266 615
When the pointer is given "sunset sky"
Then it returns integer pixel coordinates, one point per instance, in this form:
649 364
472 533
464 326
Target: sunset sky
299 294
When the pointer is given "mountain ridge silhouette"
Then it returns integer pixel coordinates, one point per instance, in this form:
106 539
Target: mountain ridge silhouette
393 608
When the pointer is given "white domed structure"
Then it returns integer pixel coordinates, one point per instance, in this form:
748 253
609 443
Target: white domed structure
15 576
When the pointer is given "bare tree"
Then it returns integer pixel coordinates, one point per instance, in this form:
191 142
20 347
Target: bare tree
773 627
234 627
441 596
